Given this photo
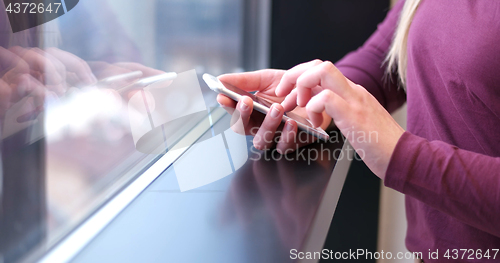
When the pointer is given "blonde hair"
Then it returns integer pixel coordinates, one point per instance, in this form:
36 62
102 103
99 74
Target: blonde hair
397 58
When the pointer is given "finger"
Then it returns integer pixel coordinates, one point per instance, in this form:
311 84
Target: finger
25 85
40 64
290 101
241 117
5 97
289 80
225 101
58 89
51 62
253 81
335 106
74 64
288 142
327 76
245 106
10 61
264 138
32 115
20 68
303 96
73 79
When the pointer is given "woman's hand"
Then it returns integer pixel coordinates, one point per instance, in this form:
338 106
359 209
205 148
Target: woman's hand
321 87
265 128
33 73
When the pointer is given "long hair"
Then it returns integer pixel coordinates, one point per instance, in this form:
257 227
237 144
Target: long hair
397 58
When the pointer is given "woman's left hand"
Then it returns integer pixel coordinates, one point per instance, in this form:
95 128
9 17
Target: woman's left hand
370 129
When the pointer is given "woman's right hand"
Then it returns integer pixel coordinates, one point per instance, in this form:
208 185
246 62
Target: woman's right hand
267 129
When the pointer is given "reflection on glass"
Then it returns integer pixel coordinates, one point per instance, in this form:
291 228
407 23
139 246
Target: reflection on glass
67 141
289 194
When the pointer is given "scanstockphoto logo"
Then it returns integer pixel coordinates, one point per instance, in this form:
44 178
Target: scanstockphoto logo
25 14
158 116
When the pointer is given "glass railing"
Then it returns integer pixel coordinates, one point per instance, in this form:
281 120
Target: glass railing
92 98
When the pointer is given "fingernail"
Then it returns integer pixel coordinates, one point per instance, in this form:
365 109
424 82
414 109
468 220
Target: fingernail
289 126
275 112
244 106
256 142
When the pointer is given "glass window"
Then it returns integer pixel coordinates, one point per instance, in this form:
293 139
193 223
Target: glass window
90 99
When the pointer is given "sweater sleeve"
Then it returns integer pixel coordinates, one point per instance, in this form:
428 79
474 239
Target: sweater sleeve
460 183
364 66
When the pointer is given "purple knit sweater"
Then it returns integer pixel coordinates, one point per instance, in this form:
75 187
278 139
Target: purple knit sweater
447 162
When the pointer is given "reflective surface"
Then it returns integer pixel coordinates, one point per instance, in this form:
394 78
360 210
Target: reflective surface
66 117
257 214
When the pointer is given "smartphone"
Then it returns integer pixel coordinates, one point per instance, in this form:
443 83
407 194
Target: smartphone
262 105
144 82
